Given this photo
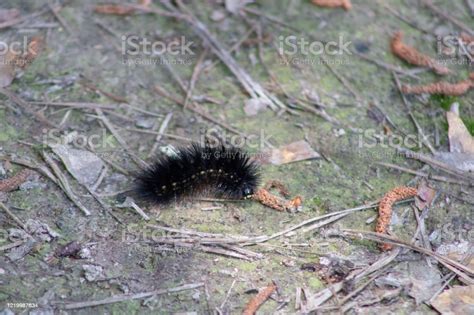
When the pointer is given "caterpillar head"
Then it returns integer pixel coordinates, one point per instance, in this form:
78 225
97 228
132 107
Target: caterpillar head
247 191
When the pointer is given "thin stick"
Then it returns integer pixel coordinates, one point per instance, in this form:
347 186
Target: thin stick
120 140
12 215
194 77
253 88
198 110
446 16
227 295
425 175
26 107
151 132
410 114
453 265
64 184
55 11
75 104
427 159
128 297
162 129
11 245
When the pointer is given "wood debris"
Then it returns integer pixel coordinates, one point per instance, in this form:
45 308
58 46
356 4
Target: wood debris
385 209
413 56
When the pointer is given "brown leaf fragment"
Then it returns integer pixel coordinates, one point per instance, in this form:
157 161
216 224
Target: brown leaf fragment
425 196
35 46
457 300
8 14
466 38
346 4
7 68
413 56
254 304
385 209
12 183
293 152
460 140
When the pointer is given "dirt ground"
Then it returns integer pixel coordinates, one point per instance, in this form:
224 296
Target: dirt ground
83 87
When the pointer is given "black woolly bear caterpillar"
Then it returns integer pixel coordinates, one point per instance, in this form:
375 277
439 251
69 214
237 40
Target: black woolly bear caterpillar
220 171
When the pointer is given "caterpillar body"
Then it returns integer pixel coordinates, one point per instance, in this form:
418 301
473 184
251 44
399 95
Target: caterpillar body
222 171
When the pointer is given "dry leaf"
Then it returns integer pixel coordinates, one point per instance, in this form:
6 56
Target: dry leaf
8 14
460 140
296 151
7 68
458 300
425 196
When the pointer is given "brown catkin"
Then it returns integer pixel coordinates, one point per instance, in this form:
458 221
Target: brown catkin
346 4
268 199
253 305
412 56
444 88
385 209
12 183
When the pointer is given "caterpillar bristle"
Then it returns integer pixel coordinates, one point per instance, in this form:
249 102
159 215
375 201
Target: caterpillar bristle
222 171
